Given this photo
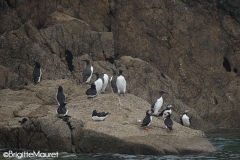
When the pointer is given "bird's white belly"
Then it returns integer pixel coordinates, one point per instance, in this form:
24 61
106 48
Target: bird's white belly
185 120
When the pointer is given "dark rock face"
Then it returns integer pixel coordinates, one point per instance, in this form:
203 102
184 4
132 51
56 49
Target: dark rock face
181 44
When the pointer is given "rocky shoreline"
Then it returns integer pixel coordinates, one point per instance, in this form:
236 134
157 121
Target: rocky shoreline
35 107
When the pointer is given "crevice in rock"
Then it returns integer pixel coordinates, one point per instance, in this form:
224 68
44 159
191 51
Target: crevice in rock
226 64
235 70
69 58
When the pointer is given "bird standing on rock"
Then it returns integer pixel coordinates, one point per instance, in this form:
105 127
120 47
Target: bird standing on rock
87 72
60 96
168 109
147 120
167 121
104 78
62 110
98 83
113 81
157 104
185 120
121 83
37 73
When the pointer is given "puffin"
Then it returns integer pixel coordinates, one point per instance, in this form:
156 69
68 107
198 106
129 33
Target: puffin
168 122
168 109
87 72
60 96
157 104
99 116
62 110
91 92
98 83
121 83
147 120
185 120
113 81
104 78
37 73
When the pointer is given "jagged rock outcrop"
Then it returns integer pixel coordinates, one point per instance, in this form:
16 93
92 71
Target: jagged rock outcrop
29 121
193 44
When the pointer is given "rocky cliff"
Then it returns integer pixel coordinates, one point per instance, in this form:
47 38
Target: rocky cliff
29 121
188 48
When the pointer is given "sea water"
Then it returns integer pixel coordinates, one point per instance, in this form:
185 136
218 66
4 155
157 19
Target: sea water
225 140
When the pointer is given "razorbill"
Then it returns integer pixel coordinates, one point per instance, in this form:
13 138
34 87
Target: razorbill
157 104
92 92
60 96
168 122
62 110
147 120
87 72
98 83
121 83
185 120
168 109
113 80
99 116
37 73
104 78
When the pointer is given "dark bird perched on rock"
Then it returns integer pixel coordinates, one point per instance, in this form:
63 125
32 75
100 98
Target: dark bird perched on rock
60 96
147 120
87 71
168 109
62 110
98 83
185 120
168 122
113 81
157 104
37 73
92 92
104 78
99 116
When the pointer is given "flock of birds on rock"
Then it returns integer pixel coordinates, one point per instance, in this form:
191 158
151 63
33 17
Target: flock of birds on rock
118 85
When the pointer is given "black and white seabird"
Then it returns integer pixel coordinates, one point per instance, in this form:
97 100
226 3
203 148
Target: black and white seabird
37 73
104 78
62 110
168 122
87 72
168 109
60 96
113 81
99 116
185 120
98 83
121 83
157 104
92 92
147 120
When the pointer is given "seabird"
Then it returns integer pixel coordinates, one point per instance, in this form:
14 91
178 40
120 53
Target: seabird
98 83
121 83
62 110
157 104
60 96
104 78
147 120
99 116
185 120
113 81
168 122
168 109
87 72
92 92
37 73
